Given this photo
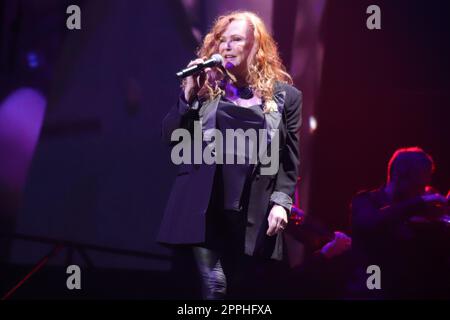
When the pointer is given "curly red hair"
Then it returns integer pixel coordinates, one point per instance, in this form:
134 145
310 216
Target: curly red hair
265 67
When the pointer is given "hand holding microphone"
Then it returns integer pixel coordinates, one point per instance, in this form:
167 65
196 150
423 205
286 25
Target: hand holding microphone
195 75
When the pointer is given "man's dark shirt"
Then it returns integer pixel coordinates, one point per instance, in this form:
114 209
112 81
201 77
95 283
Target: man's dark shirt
411 257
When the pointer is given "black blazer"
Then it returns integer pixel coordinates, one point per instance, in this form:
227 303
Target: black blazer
184 218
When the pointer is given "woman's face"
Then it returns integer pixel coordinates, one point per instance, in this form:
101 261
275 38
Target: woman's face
235 46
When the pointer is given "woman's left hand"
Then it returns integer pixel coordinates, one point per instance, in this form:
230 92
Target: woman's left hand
277 220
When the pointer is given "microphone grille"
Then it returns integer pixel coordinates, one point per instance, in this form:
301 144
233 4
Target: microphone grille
218 58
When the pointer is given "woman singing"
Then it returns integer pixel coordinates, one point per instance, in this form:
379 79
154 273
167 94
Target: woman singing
227 210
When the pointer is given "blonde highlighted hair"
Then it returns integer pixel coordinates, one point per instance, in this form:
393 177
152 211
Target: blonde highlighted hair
265 67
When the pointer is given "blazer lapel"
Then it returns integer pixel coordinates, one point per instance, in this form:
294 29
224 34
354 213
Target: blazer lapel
273 118
272 123
207 115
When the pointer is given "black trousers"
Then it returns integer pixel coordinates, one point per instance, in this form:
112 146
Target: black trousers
220 260
225 271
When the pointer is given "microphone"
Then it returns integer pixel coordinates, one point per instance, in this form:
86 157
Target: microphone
215 60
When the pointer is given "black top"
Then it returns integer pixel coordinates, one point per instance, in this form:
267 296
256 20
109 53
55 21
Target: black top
235 172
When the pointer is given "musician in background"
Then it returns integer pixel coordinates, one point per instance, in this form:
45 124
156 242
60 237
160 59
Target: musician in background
401 228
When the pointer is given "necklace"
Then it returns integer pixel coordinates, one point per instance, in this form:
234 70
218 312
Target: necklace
245 92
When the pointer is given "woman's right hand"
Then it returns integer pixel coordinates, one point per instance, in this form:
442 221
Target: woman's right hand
194 83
